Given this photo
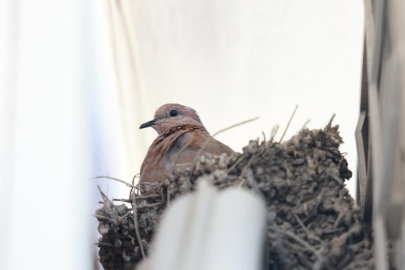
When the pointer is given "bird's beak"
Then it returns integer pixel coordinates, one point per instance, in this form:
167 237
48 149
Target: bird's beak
148 124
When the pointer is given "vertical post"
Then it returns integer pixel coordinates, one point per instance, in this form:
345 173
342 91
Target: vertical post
8 43
384 62
47 180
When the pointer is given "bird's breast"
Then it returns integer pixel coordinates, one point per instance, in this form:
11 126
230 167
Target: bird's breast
176 149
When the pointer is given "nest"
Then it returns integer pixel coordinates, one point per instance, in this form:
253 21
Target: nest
313 223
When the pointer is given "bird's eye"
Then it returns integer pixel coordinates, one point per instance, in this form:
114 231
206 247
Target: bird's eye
173 113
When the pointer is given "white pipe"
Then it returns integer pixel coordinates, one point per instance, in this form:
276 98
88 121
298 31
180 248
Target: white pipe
49 188
210 230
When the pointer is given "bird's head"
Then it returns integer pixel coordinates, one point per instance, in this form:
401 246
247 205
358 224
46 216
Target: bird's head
171 115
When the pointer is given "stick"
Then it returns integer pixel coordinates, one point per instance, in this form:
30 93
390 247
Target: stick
252 181
236 125
274 132
329 126
104 218
298 240
139 197
101 244
138 235
289 122
133 183
234 165
168 197
105 198
305 124
120 219
310 235
150 205
115 179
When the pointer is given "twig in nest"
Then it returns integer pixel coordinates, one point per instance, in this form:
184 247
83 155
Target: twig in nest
274 132
100 244
146 184
120 219
310 235
289 122
297 239
133 183
250 162
152 189
252 181
242 180
234 165
139 207
150 205
364 258
105 198
247 167
168 198
104 218
305 124
329 126
315 209
354 264
115 179
138 235
138 198
236 125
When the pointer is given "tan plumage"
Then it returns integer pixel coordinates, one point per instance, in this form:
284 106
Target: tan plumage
181 135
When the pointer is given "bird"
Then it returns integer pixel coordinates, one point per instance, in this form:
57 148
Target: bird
181 137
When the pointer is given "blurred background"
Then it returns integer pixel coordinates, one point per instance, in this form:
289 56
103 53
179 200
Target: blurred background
77 78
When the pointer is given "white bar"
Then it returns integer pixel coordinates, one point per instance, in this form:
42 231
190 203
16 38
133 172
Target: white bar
8 29
210 230
49 220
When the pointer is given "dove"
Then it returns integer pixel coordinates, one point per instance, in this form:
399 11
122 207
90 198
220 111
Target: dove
181 137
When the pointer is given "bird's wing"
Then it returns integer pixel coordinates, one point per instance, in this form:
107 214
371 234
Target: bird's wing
201 141
177 148
159 153
215 147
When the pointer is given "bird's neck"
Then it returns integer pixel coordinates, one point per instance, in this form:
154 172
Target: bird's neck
182 128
